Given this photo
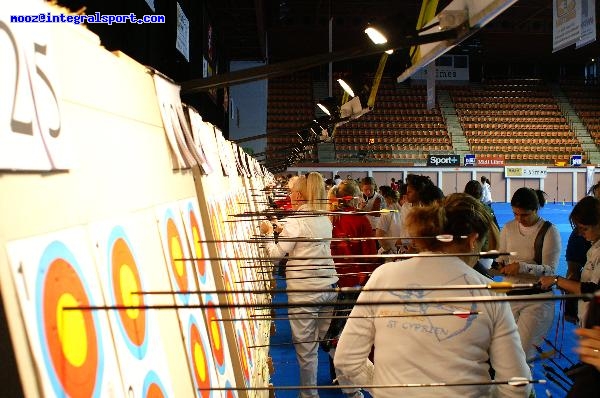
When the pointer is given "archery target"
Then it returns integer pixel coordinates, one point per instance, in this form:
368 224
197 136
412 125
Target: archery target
201 360
131 263
217 336
124 282
196 235
71 337
175 249
153 387
72 347
244 354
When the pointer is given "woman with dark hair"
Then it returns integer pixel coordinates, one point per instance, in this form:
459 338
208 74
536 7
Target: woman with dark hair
475 189
417 189
428 349
536 247
373 201
585 218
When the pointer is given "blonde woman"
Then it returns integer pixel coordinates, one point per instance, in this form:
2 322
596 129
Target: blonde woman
307 194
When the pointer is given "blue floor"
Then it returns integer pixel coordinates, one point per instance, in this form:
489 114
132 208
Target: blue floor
561 335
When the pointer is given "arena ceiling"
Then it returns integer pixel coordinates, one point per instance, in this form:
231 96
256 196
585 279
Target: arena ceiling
279 30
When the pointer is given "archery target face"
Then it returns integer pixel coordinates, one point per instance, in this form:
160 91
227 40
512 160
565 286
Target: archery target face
125 281
175 248
197 235
176 253
203 370
244 355
153 387
217 337
131 261
73 348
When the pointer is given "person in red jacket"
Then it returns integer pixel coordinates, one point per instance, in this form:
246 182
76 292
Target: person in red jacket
343 198
357 225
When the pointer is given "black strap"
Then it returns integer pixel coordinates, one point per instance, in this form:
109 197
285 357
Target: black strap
539 242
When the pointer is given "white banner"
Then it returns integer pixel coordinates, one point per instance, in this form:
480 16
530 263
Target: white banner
184 147
525 171
31 132
430 86
588 23
182 43
566 23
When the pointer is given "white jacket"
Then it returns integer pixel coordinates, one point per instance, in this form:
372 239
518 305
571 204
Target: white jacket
430 349
309 273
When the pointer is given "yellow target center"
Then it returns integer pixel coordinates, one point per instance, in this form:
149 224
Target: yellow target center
197 245
71 330
176 255
214 329
200 361
129 285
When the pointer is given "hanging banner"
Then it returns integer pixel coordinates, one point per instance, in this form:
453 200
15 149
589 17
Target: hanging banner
525 171
566 23
588 23
431 86
185 150
32 136
182 42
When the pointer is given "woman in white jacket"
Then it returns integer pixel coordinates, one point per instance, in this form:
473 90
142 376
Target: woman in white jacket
307 193
412 345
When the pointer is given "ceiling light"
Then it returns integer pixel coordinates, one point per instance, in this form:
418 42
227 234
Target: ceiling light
330 107
346 87
324 109
376 36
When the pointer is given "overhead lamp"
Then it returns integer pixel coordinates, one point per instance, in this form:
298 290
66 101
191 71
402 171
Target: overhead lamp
329 107
346 87
377 37
324 109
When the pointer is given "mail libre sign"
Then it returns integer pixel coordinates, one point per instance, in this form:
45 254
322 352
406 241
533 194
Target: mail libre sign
443 160
525 172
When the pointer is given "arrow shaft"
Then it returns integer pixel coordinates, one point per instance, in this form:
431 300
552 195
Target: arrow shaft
353 289
381 386
448 300
488 254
